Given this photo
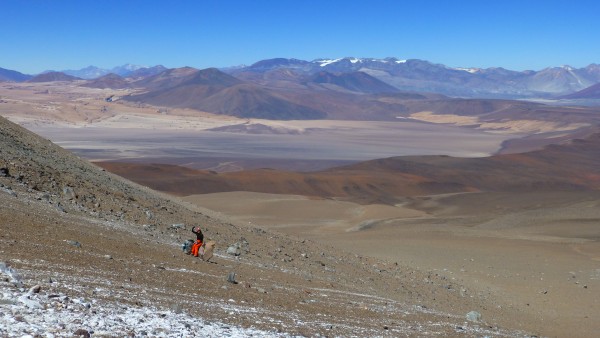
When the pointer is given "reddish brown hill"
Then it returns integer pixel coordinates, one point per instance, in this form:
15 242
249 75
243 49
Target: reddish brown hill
248 100
571 166
111 80
214 91
166 79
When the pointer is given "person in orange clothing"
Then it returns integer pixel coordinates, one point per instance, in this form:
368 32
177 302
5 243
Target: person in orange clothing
199 240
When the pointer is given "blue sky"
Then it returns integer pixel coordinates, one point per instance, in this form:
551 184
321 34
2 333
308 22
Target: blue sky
527 34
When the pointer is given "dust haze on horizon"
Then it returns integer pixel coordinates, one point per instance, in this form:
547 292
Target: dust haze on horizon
513 35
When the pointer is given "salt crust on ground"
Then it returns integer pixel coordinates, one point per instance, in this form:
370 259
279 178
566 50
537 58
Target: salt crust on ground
27 313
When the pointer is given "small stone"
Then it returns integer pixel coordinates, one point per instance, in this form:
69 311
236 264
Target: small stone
473 316
234 250
74 243
35 289
108 256
81 333
261 290
176 308
231 278
69 193
178 225
7 301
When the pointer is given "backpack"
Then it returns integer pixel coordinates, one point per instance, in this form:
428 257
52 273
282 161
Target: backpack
187 246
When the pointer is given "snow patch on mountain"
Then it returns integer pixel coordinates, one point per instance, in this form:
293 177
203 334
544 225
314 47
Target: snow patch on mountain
324 63
468 70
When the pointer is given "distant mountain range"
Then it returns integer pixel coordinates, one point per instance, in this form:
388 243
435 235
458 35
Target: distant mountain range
423 76
369 75
93 72
284 94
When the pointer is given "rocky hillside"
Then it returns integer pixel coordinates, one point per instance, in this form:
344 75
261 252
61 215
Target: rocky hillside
78 240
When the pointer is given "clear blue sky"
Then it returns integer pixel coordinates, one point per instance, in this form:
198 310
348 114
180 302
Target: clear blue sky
526 34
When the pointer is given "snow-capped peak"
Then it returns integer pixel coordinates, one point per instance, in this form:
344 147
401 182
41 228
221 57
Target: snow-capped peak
130 67
468 70
354 60
325 62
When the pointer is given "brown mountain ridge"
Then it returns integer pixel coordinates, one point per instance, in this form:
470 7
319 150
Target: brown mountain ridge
216 92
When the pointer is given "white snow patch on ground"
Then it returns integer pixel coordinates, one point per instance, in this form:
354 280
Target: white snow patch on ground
27 313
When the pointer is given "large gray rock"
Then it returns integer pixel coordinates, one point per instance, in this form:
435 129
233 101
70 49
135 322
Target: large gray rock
239 247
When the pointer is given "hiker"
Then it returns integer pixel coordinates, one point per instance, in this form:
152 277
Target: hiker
199 240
